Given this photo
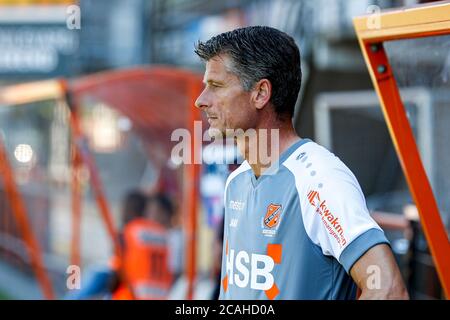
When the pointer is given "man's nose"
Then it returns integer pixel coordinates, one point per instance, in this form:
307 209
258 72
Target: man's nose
201 101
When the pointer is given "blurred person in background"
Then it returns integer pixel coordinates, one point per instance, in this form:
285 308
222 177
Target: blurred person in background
176 245
103 280
145 244
217 262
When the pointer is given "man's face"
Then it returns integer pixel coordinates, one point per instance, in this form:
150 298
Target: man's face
224 101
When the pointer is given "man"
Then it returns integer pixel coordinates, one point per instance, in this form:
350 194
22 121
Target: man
146 250
297 227
103 280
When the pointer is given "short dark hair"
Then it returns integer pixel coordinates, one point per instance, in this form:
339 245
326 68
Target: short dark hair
261 52
164 202
166 209
134 205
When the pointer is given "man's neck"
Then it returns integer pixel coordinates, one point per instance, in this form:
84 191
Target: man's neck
264 148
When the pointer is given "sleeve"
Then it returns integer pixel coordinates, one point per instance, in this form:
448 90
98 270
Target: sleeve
336 217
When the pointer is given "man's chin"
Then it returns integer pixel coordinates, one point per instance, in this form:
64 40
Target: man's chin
215 133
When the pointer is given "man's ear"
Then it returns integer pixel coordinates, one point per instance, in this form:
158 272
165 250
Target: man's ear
262 91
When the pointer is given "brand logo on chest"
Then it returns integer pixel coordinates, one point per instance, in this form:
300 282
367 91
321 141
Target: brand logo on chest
236 205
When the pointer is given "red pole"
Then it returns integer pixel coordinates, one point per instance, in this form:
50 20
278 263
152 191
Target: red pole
191 188
75 258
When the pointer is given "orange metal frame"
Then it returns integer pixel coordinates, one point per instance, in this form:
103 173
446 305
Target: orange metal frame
60 89
420 21
192 187
20 213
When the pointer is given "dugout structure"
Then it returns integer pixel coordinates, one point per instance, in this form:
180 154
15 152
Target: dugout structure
403 48
157 100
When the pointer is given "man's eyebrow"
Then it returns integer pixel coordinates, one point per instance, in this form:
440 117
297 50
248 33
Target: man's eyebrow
210 81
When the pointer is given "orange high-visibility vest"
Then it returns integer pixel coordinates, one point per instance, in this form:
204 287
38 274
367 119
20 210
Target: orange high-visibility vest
146 261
